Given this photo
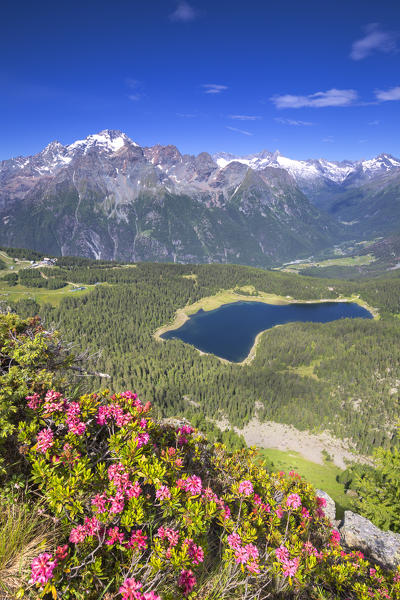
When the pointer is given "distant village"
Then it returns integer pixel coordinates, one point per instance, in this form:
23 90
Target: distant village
45 262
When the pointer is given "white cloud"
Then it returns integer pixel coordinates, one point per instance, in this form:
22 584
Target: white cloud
186 115
392 94
242 131
376 122
135 86
293 122
214 88
331 97
328 139
375 40
184 13
244 117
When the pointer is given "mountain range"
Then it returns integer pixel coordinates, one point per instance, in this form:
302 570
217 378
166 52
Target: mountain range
107 197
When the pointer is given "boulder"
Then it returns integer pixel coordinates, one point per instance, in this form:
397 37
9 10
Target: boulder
359 533
330 508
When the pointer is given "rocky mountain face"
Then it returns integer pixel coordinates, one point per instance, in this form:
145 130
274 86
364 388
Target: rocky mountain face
107 197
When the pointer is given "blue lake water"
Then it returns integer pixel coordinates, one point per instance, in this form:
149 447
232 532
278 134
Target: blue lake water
230 330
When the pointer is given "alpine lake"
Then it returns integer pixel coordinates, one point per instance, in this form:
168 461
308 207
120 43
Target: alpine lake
230 331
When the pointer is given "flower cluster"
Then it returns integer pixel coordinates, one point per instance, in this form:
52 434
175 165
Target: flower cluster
42 568
131 590
141 497
289 566
245 554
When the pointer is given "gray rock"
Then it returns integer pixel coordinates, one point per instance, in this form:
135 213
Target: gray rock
330 508
359 533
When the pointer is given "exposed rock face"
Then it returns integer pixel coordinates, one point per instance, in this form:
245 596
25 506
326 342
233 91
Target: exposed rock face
359 533
330 508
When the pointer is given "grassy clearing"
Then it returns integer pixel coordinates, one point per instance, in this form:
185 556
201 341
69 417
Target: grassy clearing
307 370
40 295
12 262
343 261
322 477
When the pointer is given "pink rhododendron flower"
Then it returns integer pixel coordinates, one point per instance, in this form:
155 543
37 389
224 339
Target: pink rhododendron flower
185 430
163 493
117 503
170 534
138 540
52 396
193 485
245 488
209 495
335 537
76 427
308 548
129 590
73 410
253 567
142 439
150 596
290 567
305 513
78 534
252 551
44 440
92 525
279 512
293 500
34 401
321 501
42 568
234 540
186 581
53 402
62 552
195 552
133 490
129 395
115 536
99 502
241 556
103 415
282 553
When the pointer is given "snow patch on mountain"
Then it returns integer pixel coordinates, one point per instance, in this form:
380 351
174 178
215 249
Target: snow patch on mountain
108 140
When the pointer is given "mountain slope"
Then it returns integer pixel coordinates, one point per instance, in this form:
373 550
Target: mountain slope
106 197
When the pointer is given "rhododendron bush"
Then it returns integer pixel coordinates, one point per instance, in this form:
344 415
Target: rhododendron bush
152 511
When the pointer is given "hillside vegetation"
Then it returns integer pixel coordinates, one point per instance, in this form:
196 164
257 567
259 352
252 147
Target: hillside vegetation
126 507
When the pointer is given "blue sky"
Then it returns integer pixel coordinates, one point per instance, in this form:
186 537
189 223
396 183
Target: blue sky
308 78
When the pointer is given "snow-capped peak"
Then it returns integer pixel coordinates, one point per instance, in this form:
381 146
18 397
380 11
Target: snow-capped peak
308 170
381 163
109 140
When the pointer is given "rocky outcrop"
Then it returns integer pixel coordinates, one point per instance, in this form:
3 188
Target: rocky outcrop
359 533
330 508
